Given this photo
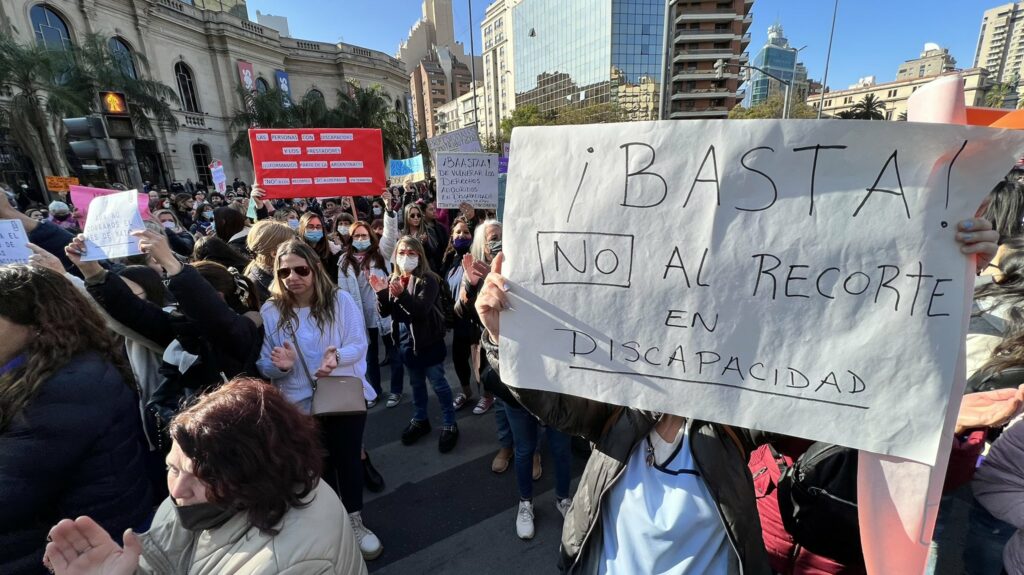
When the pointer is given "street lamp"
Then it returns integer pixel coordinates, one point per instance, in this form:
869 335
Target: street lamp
720 66
792 78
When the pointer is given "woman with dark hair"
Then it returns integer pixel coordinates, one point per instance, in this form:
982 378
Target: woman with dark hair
312 325
181 241
71 440
417 226
183 209
412 298
465 332
213 249
232 227
311 229
245 498
1005 209
202 220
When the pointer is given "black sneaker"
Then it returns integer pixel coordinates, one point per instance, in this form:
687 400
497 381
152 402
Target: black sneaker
372 479
414 431
449 436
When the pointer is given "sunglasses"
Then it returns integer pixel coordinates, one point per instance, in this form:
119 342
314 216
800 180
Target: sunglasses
283 273
414 216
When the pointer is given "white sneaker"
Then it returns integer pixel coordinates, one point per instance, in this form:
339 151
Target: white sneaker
369 545
524 520
563 505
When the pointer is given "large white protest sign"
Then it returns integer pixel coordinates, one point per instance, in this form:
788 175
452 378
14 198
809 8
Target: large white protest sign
12 243
108 231
464 140
470 178
800 277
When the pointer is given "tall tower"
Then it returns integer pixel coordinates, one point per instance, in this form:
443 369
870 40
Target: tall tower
439 14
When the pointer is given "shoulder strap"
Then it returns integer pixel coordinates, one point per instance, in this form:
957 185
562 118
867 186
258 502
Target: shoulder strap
298 351
736 439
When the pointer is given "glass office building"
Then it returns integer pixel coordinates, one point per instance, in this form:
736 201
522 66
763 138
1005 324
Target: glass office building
778 59
585 53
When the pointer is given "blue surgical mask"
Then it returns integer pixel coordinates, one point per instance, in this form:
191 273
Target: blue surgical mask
314 236
361 245
208 215
293 224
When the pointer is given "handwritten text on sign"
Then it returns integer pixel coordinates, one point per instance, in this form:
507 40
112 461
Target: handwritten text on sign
13 240
318 162
800 277
112 219
470 178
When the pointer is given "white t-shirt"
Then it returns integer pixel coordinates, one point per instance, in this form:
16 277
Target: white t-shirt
661 518
347 333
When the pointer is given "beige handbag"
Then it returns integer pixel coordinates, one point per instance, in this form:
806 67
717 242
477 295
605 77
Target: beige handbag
332 395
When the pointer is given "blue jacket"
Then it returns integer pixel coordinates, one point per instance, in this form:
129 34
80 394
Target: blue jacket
76 449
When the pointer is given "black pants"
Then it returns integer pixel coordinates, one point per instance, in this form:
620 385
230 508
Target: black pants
342 436
372 365
462 358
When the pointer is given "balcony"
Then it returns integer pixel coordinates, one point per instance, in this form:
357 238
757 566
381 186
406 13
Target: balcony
685 35
706 15
705 112
196 120
684 75
704 54
703 94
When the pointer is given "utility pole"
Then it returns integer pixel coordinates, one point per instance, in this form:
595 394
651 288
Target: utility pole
472 68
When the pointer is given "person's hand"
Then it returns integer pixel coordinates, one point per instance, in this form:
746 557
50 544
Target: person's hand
378 283
493 298
75 250
329 362
988 408
386 196
474 270
396 288
283 357
44 259
257 195
976 236
156 246
82 547
467 210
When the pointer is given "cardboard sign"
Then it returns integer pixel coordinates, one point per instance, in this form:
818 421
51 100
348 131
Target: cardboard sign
220 181
108 231
12 243
464 140
407 170
60 183
800 276
328 162
470 178
82 198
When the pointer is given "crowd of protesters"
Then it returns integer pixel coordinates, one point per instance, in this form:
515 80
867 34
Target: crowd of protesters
176 411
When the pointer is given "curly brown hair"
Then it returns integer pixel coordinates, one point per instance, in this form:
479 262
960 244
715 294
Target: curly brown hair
48 303
252 448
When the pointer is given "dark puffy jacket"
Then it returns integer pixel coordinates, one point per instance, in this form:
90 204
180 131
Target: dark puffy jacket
720 453
77 449
420 310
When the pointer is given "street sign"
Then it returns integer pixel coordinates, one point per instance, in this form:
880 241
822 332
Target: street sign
60 183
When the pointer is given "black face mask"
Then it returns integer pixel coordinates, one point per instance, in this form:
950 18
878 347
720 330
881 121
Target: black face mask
61 217
203 516
494 247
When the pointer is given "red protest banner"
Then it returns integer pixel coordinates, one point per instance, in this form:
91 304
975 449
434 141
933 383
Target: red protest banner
319 162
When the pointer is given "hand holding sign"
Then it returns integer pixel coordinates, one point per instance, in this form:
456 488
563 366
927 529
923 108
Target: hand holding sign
75 252
156 245
112 218
493 298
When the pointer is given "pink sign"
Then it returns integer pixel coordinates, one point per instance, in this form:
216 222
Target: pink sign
246 75
82 196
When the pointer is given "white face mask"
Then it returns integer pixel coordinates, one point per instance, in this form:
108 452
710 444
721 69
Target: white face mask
169 225
343 231
408 263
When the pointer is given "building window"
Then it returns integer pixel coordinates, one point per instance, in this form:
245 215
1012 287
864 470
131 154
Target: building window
201 156
891 94
122 54
50 29
262 87
186 87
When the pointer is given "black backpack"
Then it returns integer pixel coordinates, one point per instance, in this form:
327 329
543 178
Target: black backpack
818 502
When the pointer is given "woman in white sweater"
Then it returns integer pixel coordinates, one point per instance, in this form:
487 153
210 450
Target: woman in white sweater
308 315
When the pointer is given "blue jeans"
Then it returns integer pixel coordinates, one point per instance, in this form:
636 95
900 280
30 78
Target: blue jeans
397 365
418 377
524 434
968 540
500 418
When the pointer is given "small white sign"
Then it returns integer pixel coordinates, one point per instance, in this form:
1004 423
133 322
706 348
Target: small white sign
469 178
12 243
112 219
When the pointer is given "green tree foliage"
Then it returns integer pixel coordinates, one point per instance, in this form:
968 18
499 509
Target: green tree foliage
997 93
772 108
363 108
530 115
869 108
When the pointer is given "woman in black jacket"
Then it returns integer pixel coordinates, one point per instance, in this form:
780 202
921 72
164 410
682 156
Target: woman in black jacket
71 442
181 241
412 299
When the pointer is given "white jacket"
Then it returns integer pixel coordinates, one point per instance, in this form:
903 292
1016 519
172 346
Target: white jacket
312 540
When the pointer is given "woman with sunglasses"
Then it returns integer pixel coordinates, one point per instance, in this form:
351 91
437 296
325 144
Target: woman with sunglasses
413 300
307 314
417 226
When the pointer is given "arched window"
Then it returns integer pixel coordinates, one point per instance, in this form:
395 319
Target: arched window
122 54
50 29
314 93
186 87
398 105
201 156
262 87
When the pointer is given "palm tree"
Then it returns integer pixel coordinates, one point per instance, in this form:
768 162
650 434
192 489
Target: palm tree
847 115
370 108
271 109
869 108
31 73
96 69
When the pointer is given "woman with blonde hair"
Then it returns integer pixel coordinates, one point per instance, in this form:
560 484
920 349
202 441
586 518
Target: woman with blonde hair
314 330
262 242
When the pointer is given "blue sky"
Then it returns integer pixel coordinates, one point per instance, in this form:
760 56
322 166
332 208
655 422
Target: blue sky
872 36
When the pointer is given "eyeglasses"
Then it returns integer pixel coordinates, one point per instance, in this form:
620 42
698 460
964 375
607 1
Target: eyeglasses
283 273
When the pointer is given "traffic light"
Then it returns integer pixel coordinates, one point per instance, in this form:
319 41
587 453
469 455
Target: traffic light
93 143
115 112
113 103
